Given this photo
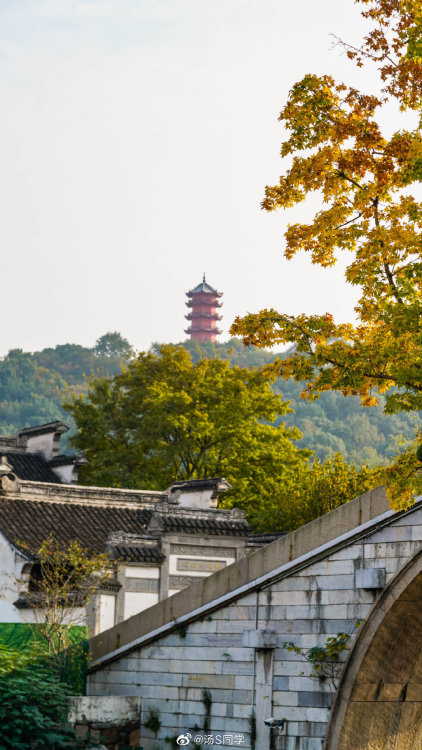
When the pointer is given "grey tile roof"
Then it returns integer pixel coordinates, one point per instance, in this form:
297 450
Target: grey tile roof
27 524
201 525
32 467
136 553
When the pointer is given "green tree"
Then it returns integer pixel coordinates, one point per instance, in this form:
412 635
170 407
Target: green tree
320 488
63 582
32 704
113 345
33 385
336 148
165 418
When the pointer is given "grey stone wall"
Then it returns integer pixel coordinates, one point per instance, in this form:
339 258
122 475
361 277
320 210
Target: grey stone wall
256 675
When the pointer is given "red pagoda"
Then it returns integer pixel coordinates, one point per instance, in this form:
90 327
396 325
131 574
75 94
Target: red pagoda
203 316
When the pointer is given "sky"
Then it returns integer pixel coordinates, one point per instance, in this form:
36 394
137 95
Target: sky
136 140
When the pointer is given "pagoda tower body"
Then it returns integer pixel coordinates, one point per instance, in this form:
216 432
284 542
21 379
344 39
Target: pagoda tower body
203 316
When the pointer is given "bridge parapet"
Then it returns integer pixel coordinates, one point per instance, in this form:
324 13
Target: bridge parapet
191 657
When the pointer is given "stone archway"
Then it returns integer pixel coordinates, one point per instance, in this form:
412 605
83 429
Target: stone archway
379 701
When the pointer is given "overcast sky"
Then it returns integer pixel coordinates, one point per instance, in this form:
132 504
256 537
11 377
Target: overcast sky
136 140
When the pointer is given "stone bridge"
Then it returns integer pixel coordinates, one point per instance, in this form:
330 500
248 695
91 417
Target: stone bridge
211 661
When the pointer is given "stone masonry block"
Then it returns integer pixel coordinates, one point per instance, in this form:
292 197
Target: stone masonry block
189 666
224 681
153 665
260 639
393 533
290 597
242 682
315 699
288 669
358 596
302 713
358 611
311 729
273 612
237 668
286 628
336 581
310 743
412 519
302 683
236 627
285 698
242 711
281 682
390 549
370 578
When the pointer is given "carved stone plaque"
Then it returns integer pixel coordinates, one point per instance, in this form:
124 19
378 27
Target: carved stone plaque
180 582
202 566
147 585
205 551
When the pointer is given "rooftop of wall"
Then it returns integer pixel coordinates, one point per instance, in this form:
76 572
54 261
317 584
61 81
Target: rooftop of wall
304 540
78 494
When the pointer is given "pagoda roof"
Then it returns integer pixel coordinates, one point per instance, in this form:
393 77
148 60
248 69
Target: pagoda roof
202 329
204 287
207 315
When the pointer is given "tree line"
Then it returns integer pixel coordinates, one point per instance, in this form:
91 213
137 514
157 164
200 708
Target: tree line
34 385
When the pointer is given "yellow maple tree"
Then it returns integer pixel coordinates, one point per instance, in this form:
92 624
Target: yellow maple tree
336 148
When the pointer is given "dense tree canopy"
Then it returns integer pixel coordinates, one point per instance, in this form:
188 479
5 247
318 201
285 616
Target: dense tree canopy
337 149
33 386
113 345
165 418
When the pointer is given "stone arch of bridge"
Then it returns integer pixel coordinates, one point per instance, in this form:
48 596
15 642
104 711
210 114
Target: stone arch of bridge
379 702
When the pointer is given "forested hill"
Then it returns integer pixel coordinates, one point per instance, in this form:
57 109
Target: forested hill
33 386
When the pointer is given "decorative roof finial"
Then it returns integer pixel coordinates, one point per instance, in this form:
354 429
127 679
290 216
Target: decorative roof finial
203 278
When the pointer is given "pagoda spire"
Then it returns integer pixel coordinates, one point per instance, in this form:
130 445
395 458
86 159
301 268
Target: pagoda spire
203 316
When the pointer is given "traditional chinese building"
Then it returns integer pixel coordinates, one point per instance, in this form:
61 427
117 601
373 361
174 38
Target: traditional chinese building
161 542
203 316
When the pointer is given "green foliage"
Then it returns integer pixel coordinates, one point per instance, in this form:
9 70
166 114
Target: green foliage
32 386
33 704
321 487
153 721
172 741
165 418
28 639
207 701
182 630
66 580
333 424
113 345
325 660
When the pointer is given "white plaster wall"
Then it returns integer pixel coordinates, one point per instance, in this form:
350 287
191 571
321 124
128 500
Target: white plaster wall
66 473
9 613
11 564
137 602
201 500
43 444
107 608
144 572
